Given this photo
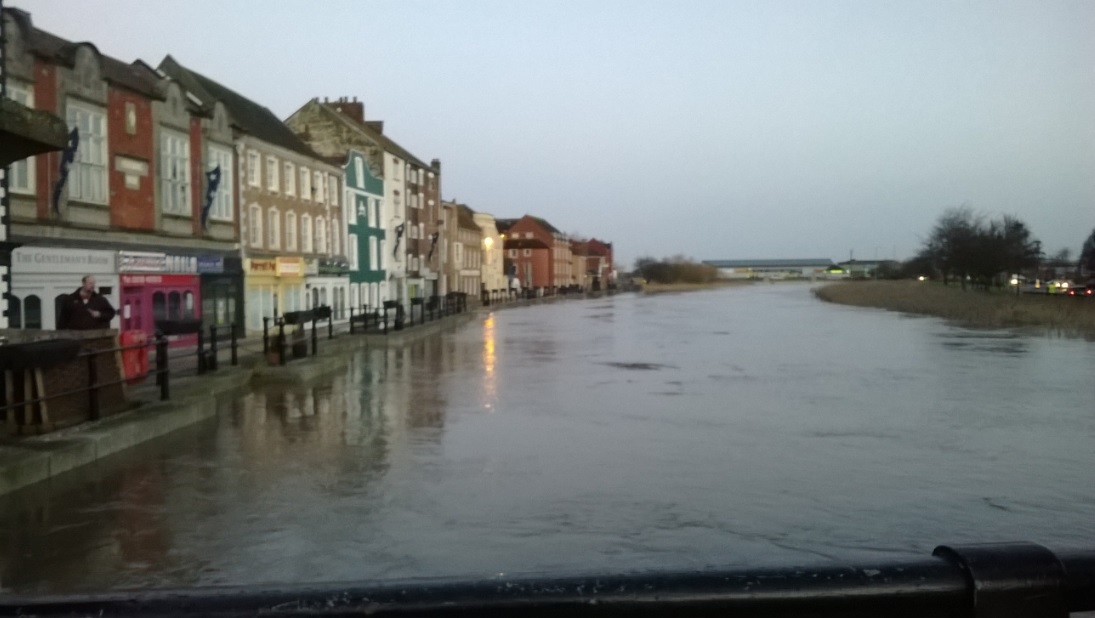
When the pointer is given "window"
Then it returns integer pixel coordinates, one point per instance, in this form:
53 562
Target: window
396 165
87 181
159 306
305 184
374 263
352 205
359 173
336 238
321 235
222 207
332 190
318 187
421 230
174 305
15 312
526 252
272 174
255 224
306 233
188 305
175 173
352 250
290 179
252 168
273 228
21 173
374 213
291 230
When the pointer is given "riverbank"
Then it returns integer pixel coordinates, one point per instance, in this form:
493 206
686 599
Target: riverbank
994 309
665 288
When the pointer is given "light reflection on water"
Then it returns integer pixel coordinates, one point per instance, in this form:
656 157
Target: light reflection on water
743 426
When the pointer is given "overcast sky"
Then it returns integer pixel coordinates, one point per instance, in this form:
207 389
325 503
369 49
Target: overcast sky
714 129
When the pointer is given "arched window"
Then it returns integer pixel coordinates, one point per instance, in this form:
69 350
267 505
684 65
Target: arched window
33 312
15 312
323 297
159 306
188 304
174 306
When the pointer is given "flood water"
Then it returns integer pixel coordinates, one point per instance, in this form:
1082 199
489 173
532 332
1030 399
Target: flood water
744 426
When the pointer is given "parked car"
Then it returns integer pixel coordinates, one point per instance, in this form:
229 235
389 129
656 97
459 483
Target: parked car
1087 291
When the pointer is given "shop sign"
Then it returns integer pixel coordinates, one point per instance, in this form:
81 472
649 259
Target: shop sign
290 267
333 268
141 262
141 280
47 260
182 264
262 267
210 264
311 266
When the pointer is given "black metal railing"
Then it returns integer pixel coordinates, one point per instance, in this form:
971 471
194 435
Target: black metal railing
92 387
1013 580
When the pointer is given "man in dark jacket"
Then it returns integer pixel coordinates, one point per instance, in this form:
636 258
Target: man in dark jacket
85 309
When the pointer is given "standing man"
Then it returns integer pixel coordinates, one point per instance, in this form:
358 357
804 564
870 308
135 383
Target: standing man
85 309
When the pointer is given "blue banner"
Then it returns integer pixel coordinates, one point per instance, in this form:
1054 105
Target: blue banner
212 182
67 157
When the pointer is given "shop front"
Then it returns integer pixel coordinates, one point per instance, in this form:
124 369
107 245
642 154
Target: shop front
158 287
42 276
327 283
272 286
221 291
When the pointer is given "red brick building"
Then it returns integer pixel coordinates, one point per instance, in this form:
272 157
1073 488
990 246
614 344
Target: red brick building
599 262
536 253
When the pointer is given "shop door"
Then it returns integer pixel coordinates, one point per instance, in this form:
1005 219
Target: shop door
132 311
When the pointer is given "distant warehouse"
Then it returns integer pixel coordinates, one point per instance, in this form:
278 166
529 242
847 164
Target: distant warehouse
777 269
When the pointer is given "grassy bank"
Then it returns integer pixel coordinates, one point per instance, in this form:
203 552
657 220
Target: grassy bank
997 309
663 288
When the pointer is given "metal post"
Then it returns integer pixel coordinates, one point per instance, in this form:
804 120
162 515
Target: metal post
265 335
315 341
351 320
212 348
232 334
331 325
281 342
92 387
161 367
201 352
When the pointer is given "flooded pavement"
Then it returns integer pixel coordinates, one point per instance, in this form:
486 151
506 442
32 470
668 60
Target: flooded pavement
746 426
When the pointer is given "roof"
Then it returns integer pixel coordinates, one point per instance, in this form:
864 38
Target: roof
504 225
780 263
385 142
549 227
62 51
465 218
249 116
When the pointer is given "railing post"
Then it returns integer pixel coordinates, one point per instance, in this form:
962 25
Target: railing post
351 320
265 335
201 352
92 387
162 371
232 334
281 342
213 348
315 340
331 325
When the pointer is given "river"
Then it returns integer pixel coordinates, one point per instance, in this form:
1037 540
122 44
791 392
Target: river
741 426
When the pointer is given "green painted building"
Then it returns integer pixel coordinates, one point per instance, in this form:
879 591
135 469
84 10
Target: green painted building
366 238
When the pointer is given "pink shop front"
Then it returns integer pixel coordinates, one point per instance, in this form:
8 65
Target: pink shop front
150 297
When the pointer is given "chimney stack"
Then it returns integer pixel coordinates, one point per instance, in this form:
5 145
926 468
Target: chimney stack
353 109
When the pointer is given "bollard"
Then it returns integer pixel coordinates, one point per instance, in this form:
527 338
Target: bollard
161 367
201 351
265 335
281 342
232 336
212 348
330 325
351 320
315 340
92 388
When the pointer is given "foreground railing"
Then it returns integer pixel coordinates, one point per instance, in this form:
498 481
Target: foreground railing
992 581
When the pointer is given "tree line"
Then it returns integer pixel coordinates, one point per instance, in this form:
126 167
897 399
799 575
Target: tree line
969 247
676 269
